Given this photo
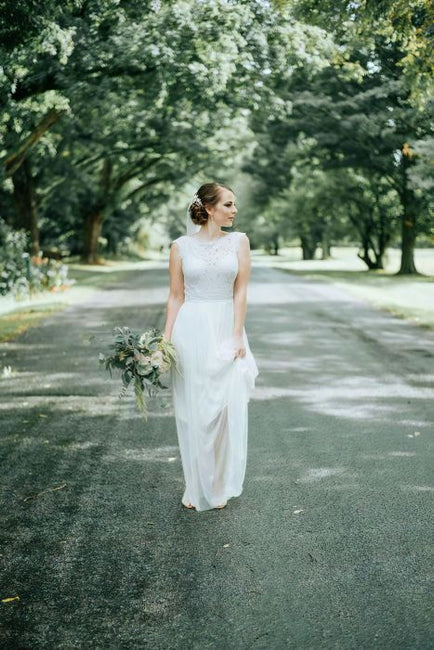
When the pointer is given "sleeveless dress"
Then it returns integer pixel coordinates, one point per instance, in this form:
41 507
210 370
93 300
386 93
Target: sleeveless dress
211 394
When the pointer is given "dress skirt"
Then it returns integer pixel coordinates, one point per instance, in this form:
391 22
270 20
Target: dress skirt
210 397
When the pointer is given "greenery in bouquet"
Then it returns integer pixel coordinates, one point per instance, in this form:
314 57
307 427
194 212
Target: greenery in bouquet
142 359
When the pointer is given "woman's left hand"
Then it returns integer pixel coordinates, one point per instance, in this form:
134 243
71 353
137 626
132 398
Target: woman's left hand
240 348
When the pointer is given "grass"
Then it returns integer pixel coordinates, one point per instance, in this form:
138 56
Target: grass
405 297
17 322
408 297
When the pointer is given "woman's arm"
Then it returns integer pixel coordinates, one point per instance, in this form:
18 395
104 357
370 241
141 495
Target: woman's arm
176 291
240 289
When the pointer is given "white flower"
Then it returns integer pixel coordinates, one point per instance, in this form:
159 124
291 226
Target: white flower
143 359
158 361
157 358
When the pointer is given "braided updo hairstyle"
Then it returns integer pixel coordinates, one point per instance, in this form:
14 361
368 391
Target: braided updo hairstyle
209 194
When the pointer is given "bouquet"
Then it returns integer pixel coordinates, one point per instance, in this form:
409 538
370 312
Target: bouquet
142 359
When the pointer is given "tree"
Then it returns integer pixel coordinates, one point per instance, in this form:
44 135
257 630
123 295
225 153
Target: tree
141 108
389 41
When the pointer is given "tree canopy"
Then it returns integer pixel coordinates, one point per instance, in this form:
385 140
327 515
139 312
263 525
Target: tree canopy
111 109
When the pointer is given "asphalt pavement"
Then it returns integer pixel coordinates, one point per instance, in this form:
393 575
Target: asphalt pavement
329 545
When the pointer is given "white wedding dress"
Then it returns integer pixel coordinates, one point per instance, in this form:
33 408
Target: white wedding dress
210 395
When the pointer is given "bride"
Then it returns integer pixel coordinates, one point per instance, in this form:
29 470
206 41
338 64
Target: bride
206 310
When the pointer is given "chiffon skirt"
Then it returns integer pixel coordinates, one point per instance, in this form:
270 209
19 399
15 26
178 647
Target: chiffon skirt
210 399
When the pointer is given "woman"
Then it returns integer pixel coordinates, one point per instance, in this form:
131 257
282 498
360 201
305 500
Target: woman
206 309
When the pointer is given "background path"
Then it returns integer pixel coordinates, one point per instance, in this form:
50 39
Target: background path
327 547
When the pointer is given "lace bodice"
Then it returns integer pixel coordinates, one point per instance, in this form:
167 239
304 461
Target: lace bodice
209 268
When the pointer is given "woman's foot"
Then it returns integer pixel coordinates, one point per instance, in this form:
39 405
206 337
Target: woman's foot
187 505
222 506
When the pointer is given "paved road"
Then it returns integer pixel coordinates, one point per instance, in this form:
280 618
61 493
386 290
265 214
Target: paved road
327 547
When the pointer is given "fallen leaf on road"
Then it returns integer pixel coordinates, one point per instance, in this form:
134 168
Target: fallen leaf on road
10 600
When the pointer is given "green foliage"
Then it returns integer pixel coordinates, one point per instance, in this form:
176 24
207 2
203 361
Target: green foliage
14 261
405 24
339 125
142 109
22 274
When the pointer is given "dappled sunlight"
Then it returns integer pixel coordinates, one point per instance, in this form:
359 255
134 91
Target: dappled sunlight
22 345
412 423
416 488
165 454
388 455
280 339
317 473
76 403
422 378
92 406
346 405
67 386
263 393
36 441
355 401
368 387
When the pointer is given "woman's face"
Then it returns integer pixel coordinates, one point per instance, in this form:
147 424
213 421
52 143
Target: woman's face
223 213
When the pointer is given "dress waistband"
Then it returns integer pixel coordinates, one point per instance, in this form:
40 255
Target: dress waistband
208 300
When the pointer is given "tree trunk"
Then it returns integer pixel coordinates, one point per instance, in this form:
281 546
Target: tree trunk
408 222
308 248
94 217
369 228
112 242
276 245
25 203
407 246
372 264
92 230
325 247
383 237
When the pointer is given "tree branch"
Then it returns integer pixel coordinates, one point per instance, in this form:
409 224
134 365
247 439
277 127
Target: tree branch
15 160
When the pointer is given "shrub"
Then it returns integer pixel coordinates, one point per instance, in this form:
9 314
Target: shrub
22 274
